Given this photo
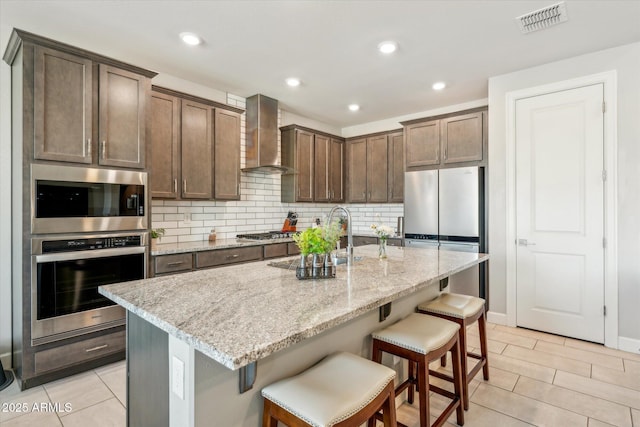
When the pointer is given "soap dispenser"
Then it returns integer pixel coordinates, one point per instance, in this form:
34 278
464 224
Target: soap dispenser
212 235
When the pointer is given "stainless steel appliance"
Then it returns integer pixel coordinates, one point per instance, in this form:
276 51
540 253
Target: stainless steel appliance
66 273
444 209
67 199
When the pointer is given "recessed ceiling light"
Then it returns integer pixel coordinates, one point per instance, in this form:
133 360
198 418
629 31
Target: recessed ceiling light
191 39
387 47
354 107
439 86
293 82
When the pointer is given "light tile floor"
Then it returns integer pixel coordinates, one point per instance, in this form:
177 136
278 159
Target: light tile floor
536 379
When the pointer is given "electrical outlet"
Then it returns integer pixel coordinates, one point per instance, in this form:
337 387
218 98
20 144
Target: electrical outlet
186 218
177 375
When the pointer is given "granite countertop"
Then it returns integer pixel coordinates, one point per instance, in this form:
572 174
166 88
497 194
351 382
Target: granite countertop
239 314
205 245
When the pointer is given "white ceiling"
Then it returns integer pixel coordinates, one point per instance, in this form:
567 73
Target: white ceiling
252 46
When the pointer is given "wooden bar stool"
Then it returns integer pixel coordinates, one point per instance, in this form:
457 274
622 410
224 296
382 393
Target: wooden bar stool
422 339
464 310
342 390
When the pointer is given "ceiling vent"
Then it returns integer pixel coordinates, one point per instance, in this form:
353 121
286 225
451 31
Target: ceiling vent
542 18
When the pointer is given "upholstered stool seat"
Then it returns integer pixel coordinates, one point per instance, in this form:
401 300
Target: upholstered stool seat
421 339
341 390
464 310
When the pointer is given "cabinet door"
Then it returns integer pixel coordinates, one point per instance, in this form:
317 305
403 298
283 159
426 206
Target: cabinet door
165 160
462 138
304 166
396 167
196 150
227 155
322 154
336 171
63 106
423 144
122 118
357 171
377 169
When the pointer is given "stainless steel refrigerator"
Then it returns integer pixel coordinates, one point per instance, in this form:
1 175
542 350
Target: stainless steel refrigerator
444 209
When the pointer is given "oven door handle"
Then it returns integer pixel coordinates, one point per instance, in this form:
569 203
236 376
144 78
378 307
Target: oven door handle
90 254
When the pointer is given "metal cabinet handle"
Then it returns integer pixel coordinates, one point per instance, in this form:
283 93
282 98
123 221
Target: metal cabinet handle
174 264
104 149
175 185
445 152
232 256
184 186
88 147
100 347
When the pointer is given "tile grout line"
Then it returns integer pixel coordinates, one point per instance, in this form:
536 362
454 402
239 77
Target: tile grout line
111 391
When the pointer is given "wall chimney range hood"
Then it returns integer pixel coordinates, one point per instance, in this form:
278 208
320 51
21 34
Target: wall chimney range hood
262 135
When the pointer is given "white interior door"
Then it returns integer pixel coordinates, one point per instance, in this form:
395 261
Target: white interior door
560 213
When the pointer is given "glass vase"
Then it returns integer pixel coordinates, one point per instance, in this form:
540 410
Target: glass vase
382 248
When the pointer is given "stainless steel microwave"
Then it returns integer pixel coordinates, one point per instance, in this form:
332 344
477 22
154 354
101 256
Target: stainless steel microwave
68 199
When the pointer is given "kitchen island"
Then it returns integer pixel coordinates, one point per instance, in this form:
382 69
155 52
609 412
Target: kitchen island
197 341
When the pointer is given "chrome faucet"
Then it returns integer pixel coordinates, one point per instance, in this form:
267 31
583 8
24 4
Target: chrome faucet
349 232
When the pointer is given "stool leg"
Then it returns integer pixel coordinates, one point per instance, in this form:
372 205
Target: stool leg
412 375
376 356
462 335
482 329
423 392
389 410
459 381
267 419
443 360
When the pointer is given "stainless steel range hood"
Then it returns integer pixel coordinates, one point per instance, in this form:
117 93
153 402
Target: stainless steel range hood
262 136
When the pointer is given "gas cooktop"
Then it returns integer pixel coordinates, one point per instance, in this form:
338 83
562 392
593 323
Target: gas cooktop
265 236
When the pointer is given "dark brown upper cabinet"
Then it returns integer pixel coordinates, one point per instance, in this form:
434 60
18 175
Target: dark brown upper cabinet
195 147
196 150
226 155
122 118
457 139
328 169
165 145
86 108
317 163
62 124
375 168
396 167
297 153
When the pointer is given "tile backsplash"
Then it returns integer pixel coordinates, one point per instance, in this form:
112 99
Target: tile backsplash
259 208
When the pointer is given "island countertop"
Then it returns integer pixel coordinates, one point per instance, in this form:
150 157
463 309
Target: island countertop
239 314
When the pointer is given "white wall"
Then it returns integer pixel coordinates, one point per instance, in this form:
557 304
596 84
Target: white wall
626 61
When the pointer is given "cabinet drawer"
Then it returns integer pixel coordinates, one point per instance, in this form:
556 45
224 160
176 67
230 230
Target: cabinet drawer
293 249
394 242
363 240
228 256
82 351
172 263
275 250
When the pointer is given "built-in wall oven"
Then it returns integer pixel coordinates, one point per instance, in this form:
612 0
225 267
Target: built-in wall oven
66 273
69 199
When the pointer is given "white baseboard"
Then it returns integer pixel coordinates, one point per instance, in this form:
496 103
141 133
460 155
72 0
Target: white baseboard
6 360
631 345
497 318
